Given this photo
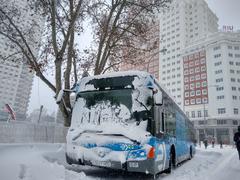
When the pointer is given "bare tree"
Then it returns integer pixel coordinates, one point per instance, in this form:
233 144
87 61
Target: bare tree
119 27
62 21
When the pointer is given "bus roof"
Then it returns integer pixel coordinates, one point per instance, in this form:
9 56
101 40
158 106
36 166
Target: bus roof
117 74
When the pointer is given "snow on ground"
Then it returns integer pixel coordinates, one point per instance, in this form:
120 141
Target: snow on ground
47 162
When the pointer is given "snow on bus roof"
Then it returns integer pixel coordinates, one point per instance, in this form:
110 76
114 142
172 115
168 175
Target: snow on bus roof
83 82
118 74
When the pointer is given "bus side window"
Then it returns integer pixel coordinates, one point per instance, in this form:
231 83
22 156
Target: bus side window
170 123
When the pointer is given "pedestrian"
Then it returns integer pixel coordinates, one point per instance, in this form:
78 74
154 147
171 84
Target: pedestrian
237 140
221 144
213 142
205 143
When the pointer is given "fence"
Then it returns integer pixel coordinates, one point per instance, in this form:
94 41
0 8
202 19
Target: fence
24 132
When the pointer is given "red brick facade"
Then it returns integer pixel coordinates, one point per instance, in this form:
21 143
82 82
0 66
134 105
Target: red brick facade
195 79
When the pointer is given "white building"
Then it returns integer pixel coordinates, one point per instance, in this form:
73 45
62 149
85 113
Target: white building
212 84
201 68
15 78
184 22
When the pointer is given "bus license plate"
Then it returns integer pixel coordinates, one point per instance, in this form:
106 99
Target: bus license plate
102 163
133 164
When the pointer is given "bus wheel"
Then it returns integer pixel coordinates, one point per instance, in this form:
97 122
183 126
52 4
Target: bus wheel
69 161
169 169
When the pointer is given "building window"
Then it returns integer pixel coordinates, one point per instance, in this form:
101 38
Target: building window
235 111
220 97
216 48
198 101
197 69
221 110
218 71
204 84
196 62
218 63
205 100
201 122
234 88
203 76
219 80
198 84
219 88
204 91
193 114
231 62
191 71
236 47
217 55
221 121
192 78
197 77
192 101
230 54
198 92
232 71
192 86
186 94
199 114
186 102
234 97
192 93
235 122
205 113
233 80
202 61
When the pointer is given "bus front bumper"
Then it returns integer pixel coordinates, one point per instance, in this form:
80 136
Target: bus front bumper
143 166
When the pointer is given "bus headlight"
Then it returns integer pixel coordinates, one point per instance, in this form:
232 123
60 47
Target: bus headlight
137 155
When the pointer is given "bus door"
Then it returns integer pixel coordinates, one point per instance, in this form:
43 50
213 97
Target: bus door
159 121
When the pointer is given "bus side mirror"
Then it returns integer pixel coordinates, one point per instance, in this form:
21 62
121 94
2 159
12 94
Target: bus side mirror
157 95
61 93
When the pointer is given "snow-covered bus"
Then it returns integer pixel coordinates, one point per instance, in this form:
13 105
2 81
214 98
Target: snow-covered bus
126 120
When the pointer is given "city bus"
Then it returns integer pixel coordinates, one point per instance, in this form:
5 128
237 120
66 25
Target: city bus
127 121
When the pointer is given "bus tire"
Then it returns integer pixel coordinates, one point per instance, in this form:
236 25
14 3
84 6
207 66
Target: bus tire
68 160
170 166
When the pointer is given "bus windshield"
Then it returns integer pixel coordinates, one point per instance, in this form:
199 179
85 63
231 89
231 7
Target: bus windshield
111 111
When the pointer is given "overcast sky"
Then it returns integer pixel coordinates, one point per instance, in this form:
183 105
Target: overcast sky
227 11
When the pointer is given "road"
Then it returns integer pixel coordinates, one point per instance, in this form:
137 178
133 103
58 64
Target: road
47 161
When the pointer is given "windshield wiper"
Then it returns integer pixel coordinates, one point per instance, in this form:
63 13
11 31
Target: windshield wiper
85 131
117 134
141 103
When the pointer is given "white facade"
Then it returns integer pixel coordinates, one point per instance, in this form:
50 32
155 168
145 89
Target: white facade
15 76
224 71
222 51
223 75
184 22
